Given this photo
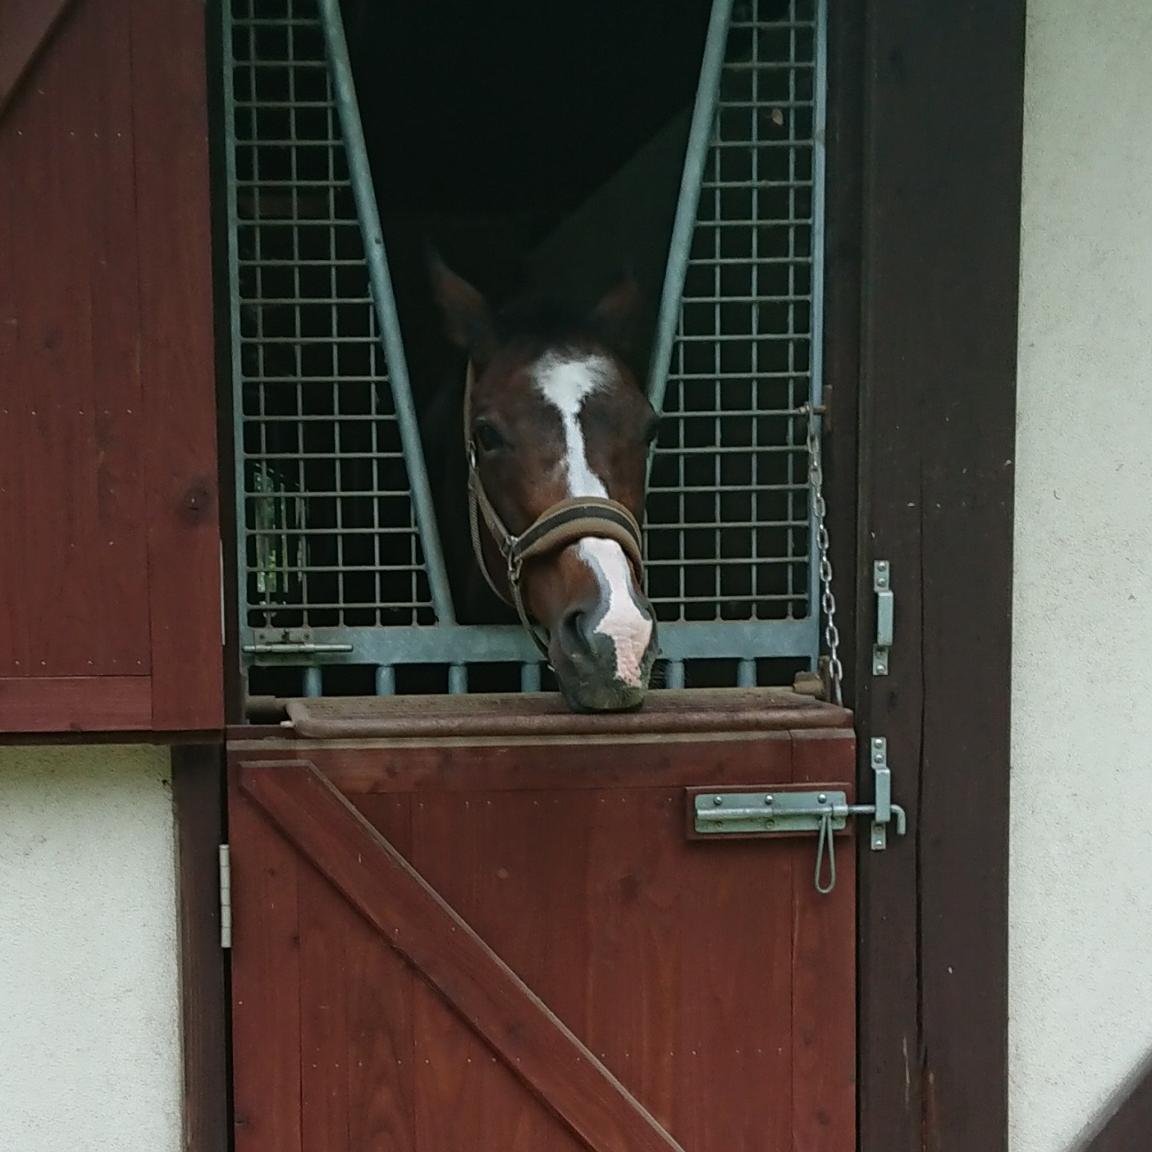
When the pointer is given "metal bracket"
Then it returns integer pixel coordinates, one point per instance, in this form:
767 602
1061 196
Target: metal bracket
885 616
765 813
225 860
290 642
769 812
883 810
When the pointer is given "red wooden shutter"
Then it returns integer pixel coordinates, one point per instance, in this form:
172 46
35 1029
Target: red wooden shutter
109 540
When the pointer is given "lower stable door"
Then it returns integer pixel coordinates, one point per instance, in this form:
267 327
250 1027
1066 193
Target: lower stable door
542 947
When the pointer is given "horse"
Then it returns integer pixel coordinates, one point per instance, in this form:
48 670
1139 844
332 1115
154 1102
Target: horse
542 447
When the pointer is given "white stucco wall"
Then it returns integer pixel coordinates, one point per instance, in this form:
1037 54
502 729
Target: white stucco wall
1081 875
89 1007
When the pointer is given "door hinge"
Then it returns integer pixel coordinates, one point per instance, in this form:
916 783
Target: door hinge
775 812
225 862
885 616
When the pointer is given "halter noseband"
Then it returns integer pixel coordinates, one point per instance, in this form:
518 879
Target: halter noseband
556 527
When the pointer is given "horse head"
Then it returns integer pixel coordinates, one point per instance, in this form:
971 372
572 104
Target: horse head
557 430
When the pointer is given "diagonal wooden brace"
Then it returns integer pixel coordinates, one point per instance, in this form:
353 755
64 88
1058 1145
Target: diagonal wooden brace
414 920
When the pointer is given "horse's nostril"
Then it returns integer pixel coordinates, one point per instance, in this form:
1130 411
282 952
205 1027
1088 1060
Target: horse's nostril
573 628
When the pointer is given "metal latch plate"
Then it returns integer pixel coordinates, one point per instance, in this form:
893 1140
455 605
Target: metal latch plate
766 812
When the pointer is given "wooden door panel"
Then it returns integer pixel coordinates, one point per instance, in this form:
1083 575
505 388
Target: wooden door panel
71 425
109 544
696 973
266 986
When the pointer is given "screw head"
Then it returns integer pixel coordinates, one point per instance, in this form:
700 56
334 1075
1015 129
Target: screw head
821 799
717 800
768 799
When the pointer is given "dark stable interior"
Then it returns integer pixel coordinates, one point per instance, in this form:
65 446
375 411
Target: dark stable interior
536 146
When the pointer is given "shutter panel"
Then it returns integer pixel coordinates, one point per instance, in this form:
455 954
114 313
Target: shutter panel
109 541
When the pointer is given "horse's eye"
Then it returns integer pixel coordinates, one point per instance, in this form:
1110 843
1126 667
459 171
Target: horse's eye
487 436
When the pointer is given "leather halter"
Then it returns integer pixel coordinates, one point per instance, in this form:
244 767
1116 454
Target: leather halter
556 527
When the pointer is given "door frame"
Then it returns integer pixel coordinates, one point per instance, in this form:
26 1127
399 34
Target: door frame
925 144
924 147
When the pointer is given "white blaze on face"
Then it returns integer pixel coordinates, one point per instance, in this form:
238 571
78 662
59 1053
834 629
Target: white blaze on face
566 384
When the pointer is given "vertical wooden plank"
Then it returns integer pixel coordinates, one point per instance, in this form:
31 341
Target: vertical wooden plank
324 1040
266 986
943 100
178 361
381 990
198 798
636 977
73 568
512 864
824 967
736 1045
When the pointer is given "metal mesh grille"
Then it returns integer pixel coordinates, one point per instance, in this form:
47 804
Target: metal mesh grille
728 511
328 535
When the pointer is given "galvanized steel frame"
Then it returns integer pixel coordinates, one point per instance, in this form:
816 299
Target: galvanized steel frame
447 643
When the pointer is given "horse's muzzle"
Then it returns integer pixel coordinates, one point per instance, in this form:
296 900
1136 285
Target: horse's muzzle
593 673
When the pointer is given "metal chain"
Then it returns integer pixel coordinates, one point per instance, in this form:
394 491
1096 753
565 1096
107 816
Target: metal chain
827 597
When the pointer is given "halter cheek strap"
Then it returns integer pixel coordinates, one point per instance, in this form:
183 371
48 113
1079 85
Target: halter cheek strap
558 526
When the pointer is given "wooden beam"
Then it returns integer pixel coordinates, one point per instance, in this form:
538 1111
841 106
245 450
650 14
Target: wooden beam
396 900
177 363
26 26
942 98
198 798
1127 1119
75 703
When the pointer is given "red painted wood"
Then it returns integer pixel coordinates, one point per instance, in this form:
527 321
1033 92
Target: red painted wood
75 704
25 28
109 557
324 1038
708 977
415 920
266 985
824 968
360 769
381 1004
489 854
170 122
73 565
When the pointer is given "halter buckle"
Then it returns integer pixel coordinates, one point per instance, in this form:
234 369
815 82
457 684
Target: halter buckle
515 561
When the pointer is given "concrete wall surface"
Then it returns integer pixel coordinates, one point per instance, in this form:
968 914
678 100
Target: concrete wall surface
1081 871
89 999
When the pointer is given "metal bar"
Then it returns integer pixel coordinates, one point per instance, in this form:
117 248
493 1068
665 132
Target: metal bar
234 334
364 194
816 324
495 644
699 141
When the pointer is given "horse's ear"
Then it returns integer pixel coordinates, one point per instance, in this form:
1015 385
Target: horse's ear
617 316
467 319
